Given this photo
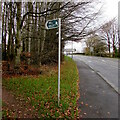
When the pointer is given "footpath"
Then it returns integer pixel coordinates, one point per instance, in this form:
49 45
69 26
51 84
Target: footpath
97 98
16 107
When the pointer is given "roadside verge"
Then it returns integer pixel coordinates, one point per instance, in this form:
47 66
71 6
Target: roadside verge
40 92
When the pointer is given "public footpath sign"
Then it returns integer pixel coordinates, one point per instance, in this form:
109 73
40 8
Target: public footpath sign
52 24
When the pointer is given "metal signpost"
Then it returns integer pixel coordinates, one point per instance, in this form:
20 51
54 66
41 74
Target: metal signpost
51 24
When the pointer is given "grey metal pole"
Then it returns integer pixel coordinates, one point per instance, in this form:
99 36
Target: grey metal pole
59 61
72 49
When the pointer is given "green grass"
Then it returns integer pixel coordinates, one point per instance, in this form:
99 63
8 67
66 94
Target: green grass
41 92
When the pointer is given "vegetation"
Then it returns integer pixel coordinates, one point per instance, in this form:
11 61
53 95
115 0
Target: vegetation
104 41
41 92
95 46
24 36
109 32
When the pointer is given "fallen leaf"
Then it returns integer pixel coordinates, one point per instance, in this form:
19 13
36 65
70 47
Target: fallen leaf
68 112
42 115
90 106
65 113
82 103
85 113
61 105
28 98
19 112
108 113
7 113
81 116
13 105
97 112
86 104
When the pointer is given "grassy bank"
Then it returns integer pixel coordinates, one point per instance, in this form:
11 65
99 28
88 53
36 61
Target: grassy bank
41 92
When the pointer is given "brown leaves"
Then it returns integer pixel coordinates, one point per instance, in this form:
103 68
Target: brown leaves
85 113
90 106
19 112
42 115
86 104
28 98
82 103
40 95
108 113
60 105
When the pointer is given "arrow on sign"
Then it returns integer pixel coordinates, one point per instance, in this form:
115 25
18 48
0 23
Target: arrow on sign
51 24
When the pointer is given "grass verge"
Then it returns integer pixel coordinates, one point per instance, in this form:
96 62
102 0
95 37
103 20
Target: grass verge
41 92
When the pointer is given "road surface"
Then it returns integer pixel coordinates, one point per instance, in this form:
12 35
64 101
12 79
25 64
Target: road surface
97 98
107 68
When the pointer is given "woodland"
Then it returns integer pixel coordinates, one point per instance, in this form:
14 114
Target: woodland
26 41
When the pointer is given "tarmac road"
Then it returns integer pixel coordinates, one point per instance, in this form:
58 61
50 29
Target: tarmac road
107 68
97 98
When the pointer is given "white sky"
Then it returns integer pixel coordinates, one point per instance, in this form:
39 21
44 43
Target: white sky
110 10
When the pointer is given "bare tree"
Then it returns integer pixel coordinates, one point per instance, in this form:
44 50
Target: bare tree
25 28
109 32
78 19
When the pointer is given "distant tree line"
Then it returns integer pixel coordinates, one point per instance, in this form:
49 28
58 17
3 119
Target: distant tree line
104 40
95 46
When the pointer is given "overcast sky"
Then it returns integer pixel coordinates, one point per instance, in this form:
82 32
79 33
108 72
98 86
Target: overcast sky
110 10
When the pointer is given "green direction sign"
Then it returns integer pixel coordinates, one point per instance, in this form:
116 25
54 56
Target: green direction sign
51 24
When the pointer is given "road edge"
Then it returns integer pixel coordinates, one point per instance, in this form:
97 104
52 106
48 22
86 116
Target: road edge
110 84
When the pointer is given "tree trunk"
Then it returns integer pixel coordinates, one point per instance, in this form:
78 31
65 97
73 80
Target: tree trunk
113 44
10 33
108 44
18 37
3 37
